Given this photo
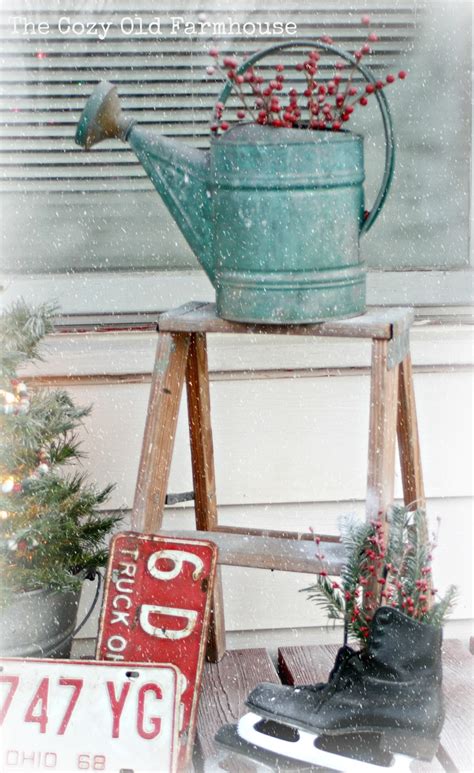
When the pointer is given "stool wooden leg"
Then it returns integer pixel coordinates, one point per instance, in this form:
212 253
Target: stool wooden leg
382 430
408 439
409 443
202 454
382 435
160 429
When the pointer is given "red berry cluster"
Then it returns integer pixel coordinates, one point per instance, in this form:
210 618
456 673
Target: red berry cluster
321 105
377 582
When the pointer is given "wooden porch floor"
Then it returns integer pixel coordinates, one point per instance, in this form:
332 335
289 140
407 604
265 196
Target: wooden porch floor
226 685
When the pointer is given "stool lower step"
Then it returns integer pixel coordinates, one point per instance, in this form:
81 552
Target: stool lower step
289 555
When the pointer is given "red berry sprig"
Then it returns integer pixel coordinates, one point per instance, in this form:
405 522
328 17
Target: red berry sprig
371 579
320 106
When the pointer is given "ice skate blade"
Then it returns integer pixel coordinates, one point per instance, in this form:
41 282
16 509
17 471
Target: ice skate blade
228 738
392 740
303 748
413 745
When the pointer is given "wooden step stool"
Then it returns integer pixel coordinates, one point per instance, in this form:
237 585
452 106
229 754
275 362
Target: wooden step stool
182 356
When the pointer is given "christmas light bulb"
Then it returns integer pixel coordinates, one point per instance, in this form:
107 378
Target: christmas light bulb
4 514
7 485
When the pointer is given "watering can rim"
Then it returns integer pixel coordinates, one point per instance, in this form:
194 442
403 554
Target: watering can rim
283 136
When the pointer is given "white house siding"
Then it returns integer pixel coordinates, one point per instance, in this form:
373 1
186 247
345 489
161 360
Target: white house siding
290 419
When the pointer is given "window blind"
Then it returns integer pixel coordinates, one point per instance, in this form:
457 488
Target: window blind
161 79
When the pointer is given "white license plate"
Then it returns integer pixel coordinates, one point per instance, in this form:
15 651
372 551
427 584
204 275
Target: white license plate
86 715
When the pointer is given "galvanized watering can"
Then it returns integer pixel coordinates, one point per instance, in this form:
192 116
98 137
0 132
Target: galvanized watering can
274 215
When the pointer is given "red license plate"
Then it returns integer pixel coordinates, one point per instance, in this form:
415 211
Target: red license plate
156 609
66 715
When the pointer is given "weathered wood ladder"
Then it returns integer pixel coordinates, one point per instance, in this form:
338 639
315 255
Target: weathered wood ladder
182 357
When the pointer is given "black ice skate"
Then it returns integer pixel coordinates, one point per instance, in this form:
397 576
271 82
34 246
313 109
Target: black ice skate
389 694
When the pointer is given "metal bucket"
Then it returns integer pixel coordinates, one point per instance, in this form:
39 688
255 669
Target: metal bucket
39 624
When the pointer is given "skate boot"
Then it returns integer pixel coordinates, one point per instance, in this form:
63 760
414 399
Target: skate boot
390 691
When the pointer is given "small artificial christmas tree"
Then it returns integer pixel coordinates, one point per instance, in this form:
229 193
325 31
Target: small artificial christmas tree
51 532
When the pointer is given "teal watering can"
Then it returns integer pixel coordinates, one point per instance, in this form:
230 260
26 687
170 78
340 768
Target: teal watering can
274 215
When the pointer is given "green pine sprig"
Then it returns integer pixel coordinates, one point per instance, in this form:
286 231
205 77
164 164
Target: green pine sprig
327 595
442 608
22 332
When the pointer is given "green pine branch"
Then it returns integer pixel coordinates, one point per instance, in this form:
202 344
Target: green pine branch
398 518
22 330
354 537
442 608
48 426
327 597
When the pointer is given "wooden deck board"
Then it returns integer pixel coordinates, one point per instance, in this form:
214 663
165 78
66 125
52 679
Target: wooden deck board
224 689
306 665
457 735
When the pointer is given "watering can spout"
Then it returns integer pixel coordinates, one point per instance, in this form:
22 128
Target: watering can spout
179 173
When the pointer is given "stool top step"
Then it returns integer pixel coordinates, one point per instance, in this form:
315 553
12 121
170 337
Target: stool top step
196 317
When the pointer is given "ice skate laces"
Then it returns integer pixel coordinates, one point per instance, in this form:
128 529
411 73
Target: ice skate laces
348 663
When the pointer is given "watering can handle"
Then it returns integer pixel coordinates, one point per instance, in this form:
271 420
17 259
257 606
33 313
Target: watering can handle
380 96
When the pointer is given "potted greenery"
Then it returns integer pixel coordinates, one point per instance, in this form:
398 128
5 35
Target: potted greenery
377 572
51 532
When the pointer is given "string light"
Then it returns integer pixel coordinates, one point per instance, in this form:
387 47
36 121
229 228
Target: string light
7 485
17 401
